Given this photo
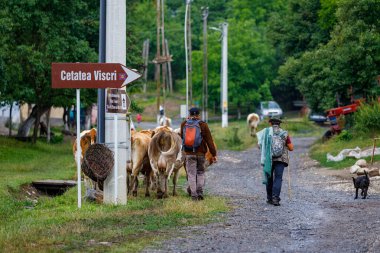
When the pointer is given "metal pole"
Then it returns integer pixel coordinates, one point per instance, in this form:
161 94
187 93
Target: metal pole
116 174
190 56
204 91
79 151
102 58
186 56
224 77
116 52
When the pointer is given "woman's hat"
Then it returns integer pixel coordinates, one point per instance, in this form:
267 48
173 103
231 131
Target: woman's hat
275 119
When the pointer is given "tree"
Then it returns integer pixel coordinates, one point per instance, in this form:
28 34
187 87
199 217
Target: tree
350 59
39 33
293 31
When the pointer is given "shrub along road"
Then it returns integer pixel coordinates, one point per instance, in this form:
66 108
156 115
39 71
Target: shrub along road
321 216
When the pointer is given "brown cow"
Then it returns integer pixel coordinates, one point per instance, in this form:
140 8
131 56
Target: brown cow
87 138
139 162
253 120
165 158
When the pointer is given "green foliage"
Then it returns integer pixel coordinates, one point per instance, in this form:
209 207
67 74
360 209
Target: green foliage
367 118
235 137
135 107
345 135
232 137
293 31
327 17
350 58
56 139
39 33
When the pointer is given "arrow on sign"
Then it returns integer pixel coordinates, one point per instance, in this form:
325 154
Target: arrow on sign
131 75
91 75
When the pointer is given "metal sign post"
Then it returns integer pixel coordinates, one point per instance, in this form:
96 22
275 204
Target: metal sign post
116 173
79 150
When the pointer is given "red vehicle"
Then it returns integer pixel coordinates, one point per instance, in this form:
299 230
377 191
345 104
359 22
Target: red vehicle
334 114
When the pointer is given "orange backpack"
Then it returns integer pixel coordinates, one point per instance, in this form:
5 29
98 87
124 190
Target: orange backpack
191 134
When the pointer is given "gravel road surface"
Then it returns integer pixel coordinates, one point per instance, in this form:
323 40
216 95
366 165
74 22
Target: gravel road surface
319 215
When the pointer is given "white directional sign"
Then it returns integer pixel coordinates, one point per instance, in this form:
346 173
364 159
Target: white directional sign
131 75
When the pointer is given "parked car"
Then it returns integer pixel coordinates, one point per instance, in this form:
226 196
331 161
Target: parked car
268 109
317 117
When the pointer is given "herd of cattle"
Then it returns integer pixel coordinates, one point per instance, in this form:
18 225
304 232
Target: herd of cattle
156 154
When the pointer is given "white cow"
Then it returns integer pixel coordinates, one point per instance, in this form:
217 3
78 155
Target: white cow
253 121
165 121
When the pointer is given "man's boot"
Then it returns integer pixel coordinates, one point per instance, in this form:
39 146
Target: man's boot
276 201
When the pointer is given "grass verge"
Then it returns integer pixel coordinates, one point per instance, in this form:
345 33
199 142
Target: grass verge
57 225
333 146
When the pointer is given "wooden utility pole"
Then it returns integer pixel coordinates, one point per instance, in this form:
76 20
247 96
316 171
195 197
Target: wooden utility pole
158 50
205 66
161 59
169 68
145 59
164 74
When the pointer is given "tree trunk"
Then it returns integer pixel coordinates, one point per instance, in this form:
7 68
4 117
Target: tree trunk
10 120
48 125
24 128
36 125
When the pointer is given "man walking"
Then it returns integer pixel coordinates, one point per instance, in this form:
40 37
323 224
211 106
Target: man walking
197 139
274 143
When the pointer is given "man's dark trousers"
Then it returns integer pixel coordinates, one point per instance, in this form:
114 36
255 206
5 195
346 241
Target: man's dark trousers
275 181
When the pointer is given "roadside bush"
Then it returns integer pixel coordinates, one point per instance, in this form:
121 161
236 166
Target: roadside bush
55 139
232 137
367 118
134 107
345 136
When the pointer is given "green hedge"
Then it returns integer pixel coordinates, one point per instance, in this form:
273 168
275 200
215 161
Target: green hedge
367 118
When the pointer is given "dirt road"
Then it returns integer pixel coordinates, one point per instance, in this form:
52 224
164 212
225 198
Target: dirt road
321 216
